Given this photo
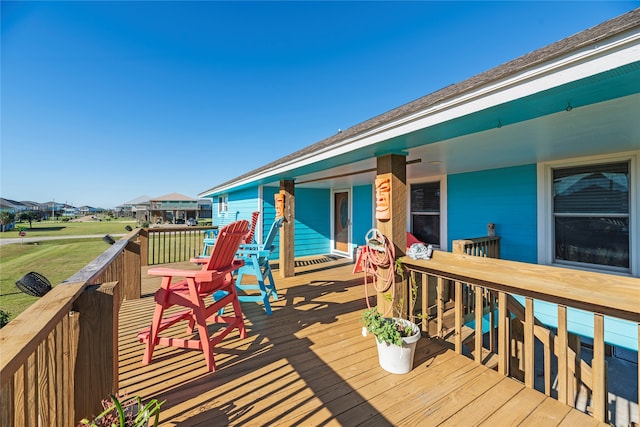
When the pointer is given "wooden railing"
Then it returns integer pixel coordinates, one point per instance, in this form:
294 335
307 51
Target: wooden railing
59 357
596 293
164 245
488 246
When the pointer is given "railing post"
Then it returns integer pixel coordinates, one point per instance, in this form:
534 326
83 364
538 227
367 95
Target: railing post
6 405
458 315
144 246
131 277
599 397
96 348
440 306
503 334
458 246
563 344
529 351
478 319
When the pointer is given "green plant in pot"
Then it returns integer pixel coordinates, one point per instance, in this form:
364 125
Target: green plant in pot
125 412
396 339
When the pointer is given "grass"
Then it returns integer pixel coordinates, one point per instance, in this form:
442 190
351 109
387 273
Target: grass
57 260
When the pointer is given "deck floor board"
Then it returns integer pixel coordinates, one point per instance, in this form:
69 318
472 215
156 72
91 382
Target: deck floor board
307 364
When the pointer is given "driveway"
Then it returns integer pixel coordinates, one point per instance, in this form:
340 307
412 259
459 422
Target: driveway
40 239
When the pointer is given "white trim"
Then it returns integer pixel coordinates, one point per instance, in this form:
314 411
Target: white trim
332 243
442 179
258 233
588 61
545 206
225 197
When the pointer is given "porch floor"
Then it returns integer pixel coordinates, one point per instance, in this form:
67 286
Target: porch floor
308 364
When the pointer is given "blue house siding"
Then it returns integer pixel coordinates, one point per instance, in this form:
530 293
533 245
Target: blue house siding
240 205
362 212
269 216
313 227
506 197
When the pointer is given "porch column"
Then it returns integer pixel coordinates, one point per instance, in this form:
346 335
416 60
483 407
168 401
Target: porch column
287 262
393 167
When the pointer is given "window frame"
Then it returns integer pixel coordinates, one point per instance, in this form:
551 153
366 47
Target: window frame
223 204
546 215
441 179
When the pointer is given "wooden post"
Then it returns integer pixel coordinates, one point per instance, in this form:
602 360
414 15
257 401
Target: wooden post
599 396
478 319
287 231
563 343
529 341
144 247
458 320
440 306
503 334
395 229
131 280
96 349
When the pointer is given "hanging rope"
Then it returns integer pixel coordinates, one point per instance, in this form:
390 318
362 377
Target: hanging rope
379 254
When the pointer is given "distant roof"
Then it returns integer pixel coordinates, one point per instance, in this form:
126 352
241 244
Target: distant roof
174 196
138 200
7 203
553 51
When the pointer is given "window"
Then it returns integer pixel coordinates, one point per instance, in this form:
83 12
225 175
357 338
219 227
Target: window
223 204
591 215
425 212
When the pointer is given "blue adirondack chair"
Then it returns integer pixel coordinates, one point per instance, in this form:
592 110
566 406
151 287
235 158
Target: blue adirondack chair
210 236
256 259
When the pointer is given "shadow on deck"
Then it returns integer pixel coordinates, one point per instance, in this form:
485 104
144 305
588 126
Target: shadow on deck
308 364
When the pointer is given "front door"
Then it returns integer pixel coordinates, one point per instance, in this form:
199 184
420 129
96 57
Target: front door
341 221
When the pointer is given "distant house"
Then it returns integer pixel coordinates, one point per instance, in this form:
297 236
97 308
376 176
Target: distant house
52 209
137 208
86 210
70 211
31 206
172 208
12 207
205 209
546 147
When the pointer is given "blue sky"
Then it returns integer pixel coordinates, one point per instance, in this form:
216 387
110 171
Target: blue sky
102 102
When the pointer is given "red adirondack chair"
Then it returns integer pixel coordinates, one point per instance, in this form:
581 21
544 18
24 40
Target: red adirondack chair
190 292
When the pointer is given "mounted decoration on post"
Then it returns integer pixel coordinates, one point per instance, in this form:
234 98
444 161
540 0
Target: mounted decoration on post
279 199
383 197
491 229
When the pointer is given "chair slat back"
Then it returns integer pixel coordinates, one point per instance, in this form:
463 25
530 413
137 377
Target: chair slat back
248 238
226 246
271 236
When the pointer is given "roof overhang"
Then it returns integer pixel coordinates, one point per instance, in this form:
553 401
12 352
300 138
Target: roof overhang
597 84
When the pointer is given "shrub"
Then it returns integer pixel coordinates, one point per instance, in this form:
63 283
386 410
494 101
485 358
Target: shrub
4 318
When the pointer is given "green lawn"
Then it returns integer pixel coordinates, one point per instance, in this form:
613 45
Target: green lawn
57 260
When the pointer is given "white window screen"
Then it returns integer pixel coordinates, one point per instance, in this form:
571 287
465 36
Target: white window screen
591 214
425 212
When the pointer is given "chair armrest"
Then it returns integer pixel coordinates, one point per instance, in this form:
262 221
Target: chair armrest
249 247
167 271
210 275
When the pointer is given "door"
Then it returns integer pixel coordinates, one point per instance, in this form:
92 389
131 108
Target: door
341 221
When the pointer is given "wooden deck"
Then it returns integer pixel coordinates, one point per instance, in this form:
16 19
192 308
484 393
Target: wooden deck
308 364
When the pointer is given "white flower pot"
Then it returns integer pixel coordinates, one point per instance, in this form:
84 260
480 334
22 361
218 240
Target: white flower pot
396 359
